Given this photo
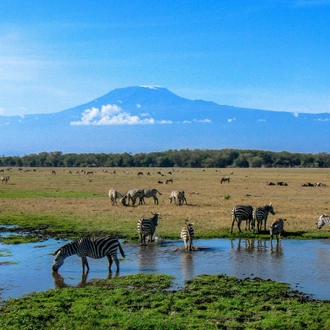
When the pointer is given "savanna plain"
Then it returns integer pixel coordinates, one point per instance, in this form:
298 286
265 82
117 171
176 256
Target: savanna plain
71 204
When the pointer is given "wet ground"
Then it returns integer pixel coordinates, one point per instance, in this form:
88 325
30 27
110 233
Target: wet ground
304 264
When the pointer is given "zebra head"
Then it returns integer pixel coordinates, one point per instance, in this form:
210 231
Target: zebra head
58 260
322 220
271 208
188 224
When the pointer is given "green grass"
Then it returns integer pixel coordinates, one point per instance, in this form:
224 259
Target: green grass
141 301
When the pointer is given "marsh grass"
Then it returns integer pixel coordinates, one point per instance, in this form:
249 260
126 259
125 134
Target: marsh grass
72 205
142 301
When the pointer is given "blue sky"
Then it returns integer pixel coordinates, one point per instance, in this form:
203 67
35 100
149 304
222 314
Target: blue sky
272 55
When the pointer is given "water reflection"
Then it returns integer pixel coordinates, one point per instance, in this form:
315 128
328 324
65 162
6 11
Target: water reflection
303 264
148 258
60 282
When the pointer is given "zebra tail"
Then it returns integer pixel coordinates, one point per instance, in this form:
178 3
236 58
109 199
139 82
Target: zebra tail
121 250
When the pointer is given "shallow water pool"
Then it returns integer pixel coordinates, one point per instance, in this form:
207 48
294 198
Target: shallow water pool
304 264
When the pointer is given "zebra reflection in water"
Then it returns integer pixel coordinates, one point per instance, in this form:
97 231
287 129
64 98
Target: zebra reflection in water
59 281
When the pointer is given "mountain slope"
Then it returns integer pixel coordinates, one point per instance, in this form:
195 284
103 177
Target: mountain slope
144 119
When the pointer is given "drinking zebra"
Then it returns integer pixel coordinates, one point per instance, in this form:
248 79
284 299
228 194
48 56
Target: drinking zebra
147 227
187 234
114 195
147 193
178 196
241 213
93 247
276 228
260 214
323 220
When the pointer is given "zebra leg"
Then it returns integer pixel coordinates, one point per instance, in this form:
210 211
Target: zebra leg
84 262
232 225
239 225
109 262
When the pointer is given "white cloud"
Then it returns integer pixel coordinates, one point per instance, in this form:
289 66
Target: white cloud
163 122
113 114
110 115
296 114
197 121
230 120
202 121
138 106
321 119
261 120
2 111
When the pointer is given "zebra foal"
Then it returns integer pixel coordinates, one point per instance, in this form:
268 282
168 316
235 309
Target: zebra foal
93 247
323 220
241 213
147 228
187 234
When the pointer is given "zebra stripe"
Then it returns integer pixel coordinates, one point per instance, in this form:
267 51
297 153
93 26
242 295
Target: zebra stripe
241 213
132 195
147 227
114 195
187 234
178 196
276 228
260 214
147 193
323 220
93 247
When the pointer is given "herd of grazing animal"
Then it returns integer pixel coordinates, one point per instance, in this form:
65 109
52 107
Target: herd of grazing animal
99 247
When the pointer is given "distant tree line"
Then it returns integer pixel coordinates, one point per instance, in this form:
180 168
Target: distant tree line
197 158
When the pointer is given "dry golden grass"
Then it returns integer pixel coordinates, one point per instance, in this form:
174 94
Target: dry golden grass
82 199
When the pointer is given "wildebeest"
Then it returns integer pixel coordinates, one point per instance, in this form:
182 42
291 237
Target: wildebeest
281 183
224 179
269 183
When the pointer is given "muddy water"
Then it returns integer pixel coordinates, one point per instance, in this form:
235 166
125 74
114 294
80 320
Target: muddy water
304 264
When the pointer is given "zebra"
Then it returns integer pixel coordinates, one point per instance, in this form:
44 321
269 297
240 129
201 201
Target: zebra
4 179
241 213
147 227
323 220
147 193
260 214
93 247
178 196
114 195
132 195
187 234
276 228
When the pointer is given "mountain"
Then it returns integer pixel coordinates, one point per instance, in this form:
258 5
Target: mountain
145 119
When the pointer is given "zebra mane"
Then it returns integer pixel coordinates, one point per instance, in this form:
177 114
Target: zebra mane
71 244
